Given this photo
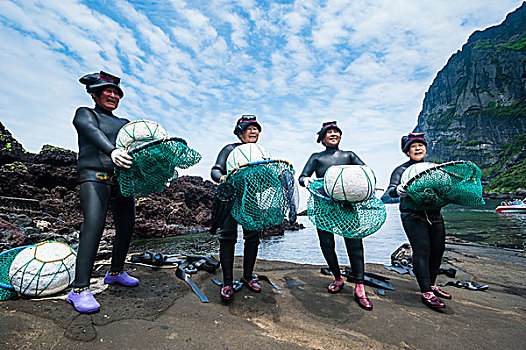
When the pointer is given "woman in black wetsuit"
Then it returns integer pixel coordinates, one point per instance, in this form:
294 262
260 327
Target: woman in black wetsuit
424 228
329 136
97 130
247 130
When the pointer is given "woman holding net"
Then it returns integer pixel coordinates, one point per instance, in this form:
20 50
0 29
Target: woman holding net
330 136
247 130
97 130
424 228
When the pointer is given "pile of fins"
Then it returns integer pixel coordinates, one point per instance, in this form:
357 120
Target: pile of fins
186 265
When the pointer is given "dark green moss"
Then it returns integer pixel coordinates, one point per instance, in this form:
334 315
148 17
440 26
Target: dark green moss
509 180
516 110
450 142
517 44
474 143
15 167
512 178
442 121
484 45
7 147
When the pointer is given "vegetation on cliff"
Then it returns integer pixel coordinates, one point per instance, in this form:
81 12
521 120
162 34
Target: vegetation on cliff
475 108
510 172
516 44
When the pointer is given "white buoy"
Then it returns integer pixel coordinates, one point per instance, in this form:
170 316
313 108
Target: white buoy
139 132
43 269
246 153
352 183
414 170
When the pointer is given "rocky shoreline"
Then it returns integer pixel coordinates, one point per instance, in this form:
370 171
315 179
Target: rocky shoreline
39 201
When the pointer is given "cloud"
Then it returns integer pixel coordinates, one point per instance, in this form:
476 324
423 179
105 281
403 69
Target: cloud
196 66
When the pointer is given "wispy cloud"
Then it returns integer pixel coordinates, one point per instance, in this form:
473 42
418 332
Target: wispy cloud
196 66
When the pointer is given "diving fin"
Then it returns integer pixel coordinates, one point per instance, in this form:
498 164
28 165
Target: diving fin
185 277
265 278
150 258
465 284
370 279
237 285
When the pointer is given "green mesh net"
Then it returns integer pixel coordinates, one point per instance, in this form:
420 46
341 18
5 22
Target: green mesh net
154 166
6 258
350 220
453 182
264 194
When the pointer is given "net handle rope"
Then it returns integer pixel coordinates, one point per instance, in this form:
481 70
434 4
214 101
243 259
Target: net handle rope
259 162
156 142
438 166
316 194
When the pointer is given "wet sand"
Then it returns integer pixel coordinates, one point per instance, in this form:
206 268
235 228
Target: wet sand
163 313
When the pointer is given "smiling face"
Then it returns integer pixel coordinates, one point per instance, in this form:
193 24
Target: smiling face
417 151
250 135
332 138
108 98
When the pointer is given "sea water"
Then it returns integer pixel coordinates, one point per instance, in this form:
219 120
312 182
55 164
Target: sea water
474 224
484 225
303 246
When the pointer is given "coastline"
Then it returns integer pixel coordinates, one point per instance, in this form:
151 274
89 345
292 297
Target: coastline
163 313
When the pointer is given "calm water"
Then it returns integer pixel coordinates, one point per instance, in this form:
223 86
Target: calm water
479 224
484 225
303 246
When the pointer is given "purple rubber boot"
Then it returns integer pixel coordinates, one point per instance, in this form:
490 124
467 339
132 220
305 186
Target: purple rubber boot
123 279
83 302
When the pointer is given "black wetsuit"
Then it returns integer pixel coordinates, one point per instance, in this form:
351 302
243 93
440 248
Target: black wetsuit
228 231
426 233
97 130
319 163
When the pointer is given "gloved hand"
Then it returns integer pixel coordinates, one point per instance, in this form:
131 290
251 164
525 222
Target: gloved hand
121 158
401 191
307 180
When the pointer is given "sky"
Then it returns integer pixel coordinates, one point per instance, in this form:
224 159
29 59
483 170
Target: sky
196 66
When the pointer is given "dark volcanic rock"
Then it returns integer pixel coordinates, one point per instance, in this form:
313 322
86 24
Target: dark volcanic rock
10 235
280 229
11 150
51 178
56 156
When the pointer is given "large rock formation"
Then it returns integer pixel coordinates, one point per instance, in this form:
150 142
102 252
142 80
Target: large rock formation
39 195
476 107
